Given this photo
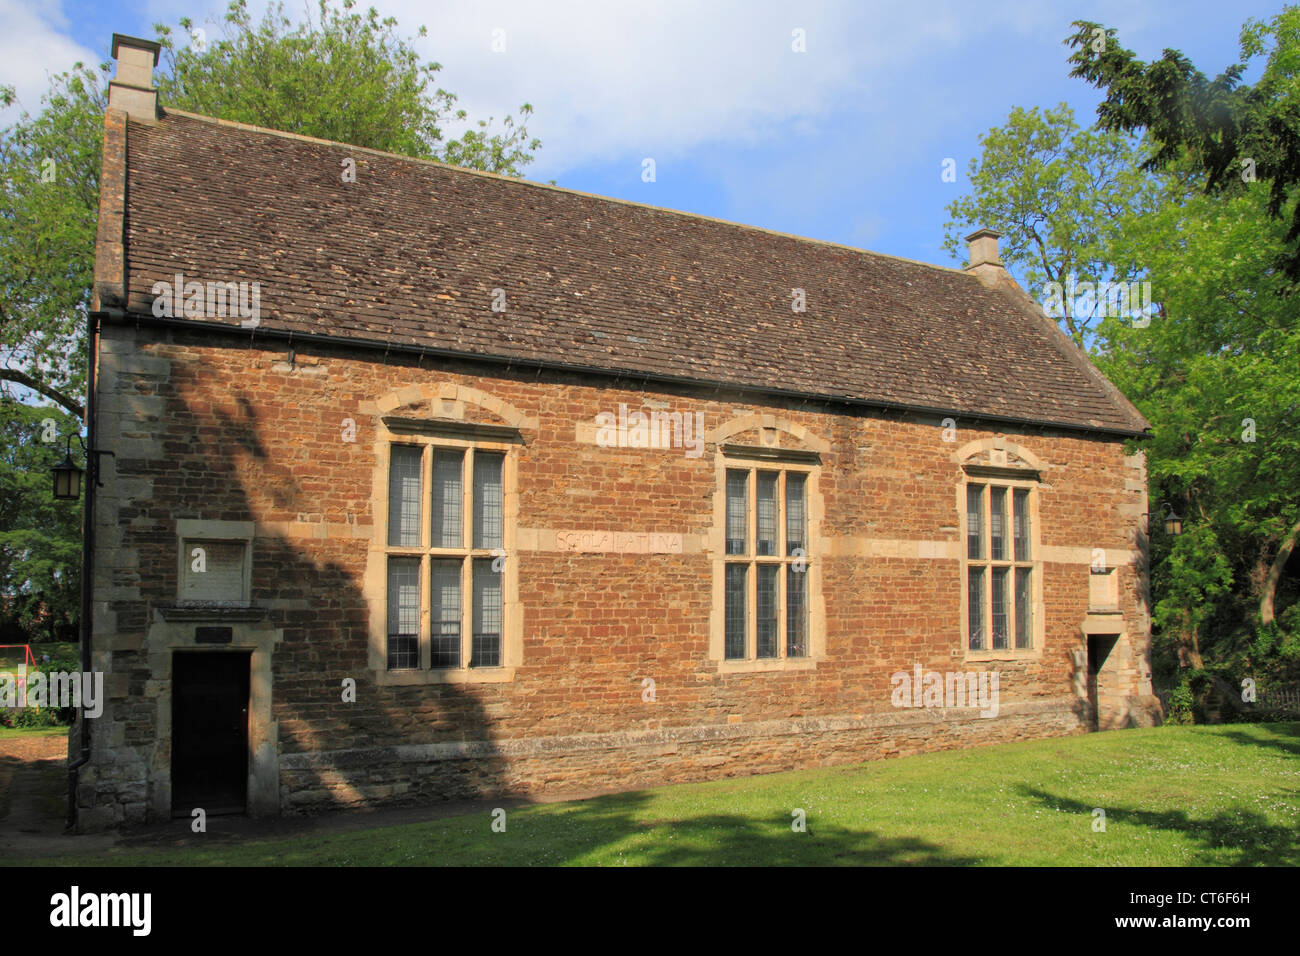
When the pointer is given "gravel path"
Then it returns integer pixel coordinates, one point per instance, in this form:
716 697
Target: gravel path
34 798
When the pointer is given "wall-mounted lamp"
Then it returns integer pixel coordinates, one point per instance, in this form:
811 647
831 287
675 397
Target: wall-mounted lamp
67 477
1173 521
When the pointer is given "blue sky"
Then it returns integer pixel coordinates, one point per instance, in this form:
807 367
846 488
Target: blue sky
844 142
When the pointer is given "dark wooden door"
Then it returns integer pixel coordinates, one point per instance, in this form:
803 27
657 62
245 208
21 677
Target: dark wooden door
209 732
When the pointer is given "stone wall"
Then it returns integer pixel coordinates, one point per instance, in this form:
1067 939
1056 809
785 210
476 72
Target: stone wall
231 430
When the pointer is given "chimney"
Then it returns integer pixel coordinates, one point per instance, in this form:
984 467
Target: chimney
984 262
132 89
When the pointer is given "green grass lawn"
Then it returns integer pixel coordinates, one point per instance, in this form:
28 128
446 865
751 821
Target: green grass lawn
8 732
1223 795
13 655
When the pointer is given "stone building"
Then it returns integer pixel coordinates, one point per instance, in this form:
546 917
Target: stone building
430 483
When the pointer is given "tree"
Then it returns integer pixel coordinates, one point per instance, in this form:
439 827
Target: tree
1231 133
40 538
1219 380
1214 369
348 77
1216 376
1060 197
49 203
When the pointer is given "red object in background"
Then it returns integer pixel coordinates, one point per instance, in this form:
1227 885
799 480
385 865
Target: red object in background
27 648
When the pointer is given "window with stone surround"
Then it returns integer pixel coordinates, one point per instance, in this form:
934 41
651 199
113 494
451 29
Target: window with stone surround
445 556
442 572
1000 567
768 562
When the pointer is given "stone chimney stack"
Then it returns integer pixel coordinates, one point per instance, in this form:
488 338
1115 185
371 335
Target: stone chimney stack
132 89
984 262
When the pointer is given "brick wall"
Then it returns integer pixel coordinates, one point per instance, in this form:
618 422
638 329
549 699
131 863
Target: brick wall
225 430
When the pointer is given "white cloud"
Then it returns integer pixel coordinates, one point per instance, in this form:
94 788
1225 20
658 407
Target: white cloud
660 79
884 89
34 46
665 78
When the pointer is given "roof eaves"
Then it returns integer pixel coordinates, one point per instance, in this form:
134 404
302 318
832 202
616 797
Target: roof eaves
383 346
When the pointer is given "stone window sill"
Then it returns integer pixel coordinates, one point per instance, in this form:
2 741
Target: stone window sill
1023 655
774 664
459 675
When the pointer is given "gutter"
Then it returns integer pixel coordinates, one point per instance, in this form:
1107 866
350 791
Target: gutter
347 342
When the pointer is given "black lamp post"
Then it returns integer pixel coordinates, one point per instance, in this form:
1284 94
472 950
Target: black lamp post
67 477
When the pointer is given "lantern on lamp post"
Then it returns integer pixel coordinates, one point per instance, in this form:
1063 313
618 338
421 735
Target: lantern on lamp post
1173 520
67 477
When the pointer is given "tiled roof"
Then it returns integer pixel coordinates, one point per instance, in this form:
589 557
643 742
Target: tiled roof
411 252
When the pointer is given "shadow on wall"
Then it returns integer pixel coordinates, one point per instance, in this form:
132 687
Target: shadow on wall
234 456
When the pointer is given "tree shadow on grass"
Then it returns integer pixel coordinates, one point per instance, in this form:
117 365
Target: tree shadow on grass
623 829
1283 736
1250 837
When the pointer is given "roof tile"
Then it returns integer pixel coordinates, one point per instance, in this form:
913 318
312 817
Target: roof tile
411 253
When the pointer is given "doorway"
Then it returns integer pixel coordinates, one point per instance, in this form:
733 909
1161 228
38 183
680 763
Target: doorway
210 731
1099 648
